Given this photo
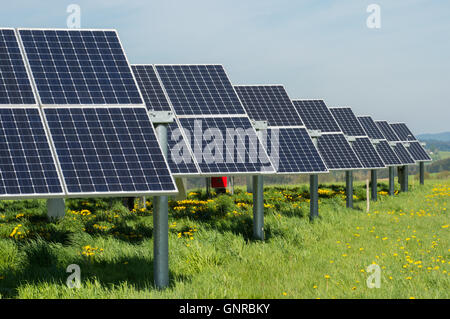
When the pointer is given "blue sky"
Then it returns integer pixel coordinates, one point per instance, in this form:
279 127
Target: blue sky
317 49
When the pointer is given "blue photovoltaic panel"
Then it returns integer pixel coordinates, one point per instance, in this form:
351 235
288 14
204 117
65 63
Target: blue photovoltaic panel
347 121
79 67
417 152
199 90
292 151
403 132
268 103
15 85
337 153
151 89
403 154
27 166
108 150
366 153
370 127
180 161
316 116
387 131
387 154
226 145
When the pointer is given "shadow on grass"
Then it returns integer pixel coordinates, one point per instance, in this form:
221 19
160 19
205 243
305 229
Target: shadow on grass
42 266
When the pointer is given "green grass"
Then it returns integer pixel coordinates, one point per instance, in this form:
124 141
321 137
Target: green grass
212 254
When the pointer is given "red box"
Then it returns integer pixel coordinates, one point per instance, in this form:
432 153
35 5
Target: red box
219 182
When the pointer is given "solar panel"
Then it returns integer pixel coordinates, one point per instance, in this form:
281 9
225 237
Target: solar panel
316 116
347 121
268 103
403 132
403 154
292 151
387 131
387 154
370 127
199 90
337 153
27 166
79 67
224 145
366 153
151 89
108 150
417 152
15 86
153 93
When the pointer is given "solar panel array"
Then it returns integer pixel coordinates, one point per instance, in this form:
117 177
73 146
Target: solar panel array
415 149
347 121
316 116
367 153
387 154
199 90
15 86
403 132
291 148
387 131
268 103
204 94
180 160
417 152
403 154
73 67
337 152
370 127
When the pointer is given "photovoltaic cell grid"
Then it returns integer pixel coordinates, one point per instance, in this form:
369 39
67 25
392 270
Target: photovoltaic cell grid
316 116
155 100
387 154
73 67
403 154
268 103
366 153
231 147
27 166
387 131
347 121
403 132
292 151
108 150
151 89
371 128
15 86
337 153
199 90
417 152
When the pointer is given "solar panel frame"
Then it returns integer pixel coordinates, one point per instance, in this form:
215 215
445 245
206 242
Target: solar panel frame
403 132
318 123
326 143
417 152
38 97
297 171
387 154
29 80
370 127
367 153
70 194
387 131
47 141
403 154
163 103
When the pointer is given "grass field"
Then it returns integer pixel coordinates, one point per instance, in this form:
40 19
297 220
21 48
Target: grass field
212 254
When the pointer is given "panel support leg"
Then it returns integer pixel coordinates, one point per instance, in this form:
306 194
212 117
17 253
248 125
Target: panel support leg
422 172
258 207
349 188
56 208
161 225
373 182
313 196
404 178
249 184
391 181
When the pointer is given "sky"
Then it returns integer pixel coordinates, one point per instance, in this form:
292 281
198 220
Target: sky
399 72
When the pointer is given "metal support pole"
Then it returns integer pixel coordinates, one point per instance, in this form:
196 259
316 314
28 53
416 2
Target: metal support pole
373 182
208 186
258 207
391 181
349 188
313 196
249 184
56 208
404 178
161 225
422 172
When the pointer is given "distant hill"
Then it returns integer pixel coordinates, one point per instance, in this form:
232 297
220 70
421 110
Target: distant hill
442 137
